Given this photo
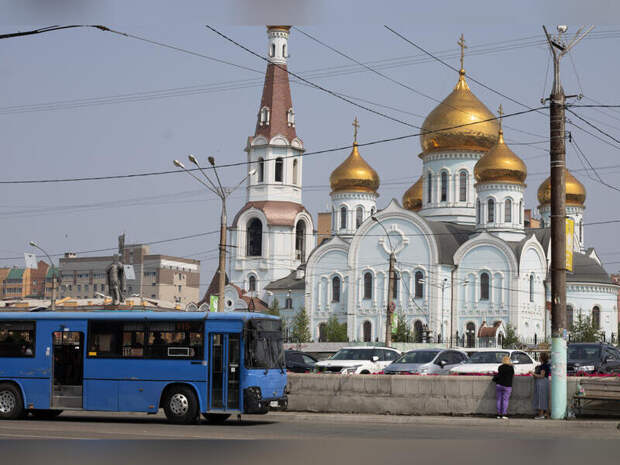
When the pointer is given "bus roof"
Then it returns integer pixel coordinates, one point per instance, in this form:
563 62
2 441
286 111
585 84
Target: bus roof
132 315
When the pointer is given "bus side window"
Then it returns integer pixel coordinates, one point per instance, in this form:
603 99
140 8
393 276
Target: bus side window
17 339
170 339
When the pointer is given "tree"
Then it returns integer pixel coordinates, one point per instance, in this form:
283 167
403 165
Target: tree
583 330
403 332
274 309
511 340
336 332
301 327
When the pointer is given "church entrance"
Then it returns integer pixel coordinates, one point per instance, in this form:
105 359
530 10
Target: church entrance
367 329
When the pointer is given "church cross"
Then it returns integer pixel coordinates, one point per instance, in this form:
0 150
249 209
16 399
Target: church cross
500 111
355 126
461 44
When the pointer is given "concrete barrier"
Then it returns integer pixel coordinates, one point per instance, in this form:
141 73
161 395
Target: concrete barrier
408 395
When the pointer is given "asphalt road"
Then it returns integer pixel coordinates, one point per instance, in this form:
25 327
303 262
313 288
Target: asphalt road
303 438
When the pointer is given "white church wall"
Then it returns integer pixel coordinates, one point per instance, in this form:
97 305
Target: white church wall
585 297
531 324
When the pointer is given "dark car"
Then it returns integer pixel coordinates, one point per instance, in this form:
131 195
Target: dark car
299 362
592 357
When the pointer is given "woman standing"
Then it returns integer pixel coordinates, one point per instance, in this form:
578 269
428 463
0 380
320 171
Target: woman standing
503 388
541 387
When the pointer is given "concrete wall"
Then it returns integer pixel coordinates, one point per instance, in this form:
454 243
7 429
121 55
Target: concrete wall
407 395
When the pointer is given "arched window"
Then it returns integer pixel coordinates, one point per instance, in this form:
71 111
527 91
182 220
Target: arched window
359 217
254 242
300 240
367 331
323 332
429 184
252 284
596 317
581 231
531 288
463 186
343 217
336 289
261 169
368 285
279 170
290 117
470 334
264 116
569 316
395 288
478 211
444 186
419 285
272 50
521 212
484 286
295 181
508 211
491 212
417 331
283 50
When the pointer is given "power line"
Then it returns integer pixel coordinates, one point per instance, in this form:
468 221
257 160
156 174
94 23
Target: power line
593 126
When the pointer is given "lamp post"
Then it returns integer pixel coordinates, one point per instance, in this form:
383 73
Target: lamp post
53 299
390 299
223 194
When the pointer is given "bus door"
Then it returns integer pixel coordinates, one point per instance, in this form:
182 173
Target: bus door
68 366
224 370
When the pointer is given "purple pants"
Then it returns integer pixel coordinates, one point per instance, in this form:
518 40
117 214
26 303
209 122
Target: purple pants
503 396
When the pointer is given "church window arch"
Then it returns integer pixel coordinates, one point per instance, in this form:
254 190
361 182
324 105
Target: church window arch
484 286
300 240
463 186
596 317
283 50
367 331
252 283
444 186
279 172
470 334
508 211
295 173
343 217
532 283
429 187
418 331
359 217
491 211
368 285
290 117
254 242
264 116
336 289
419 285
272 50
322 332
261 169
478 212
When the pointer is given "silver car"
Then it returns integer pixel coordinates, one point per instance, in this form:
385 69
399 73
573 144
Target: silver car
426 362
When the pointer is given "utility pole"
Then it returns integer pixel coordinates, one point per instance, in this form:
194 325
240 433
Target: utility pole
559 333
390 300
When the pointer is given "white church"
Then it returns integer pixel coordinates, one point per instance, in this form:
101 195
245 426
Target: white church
467 263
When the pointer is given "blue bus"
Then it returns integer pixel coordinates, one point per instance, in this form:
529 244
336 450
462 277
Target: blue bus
214 364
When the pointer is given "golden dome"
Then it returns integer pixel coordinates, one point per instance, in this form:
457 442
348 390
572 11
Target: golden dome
354 175
457 111
500 164
575 192
412 199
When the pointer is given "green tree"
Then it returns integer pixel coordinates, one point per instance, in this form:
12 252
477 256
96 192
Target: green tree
301 327
511 340
583 330
403 332
336 332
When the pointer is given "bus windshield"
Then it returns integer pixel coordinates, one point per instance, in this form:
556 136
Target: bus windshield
264 344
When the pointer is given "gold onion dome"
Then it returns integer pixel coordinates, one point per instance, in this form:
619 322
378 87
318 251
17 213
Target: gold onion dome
575 191
354 174
458 111
500 164
412 198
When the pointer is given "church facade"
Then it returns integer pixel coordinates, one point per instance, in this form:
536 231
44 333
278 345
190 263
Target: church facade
466 264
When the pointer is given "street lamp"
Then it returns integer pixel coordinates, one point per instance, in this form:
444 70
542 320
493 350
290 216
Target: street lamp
53 299
390 299
223 194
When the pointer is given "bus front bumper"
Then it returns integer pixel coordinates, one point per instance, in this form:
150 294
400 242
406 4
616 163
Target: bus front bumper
253 401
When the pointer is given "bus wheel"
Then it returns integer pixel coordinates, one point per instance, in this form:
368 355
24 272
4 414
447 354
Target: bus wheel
11 402
44 414
216 418
181 405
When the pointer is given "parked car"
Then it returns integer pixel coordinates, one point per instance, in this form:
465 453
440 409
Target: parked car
426 361
358 360
299 362
489 360
590 357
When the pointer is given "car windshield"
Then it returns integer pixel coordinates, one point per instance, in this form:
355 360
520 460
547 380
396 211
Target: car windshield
487 357
579 352
264 346
353 354
417 356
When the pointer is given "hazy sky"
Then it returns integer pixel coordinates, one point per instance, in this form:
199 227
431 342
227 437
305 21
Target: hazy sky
119 105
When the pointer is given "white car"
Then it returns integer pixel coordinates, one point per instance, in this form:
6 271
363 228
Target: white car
489 360
358 360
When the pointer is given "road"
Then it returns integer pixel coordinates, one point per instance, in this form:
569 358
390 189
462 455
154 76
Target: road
360 438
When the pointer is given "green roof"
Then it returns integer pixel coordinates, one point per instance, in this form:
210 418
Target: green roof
16 273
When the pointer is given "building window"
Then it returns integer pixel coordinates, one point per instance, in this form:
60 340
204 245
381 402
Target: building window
444 186
179 288
343 217
418 329
290 117
272 50
419 285
279 170
323 332
429 184
283 50
261 169
254 246
569 316
295 180
470 332
491 212
478 210
596 317
359 217
484 286
264 116
336 289
463 186
300 241
288 303
252 284
531 288
508 211
368 285
367 331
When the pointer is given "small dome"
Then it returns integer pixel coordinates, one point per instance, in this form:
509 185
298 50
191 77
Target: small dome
412 198
457 111
500 164
575 191
354 175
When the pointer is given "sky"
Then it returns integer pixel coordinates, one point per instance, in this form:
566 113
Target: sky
83 103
